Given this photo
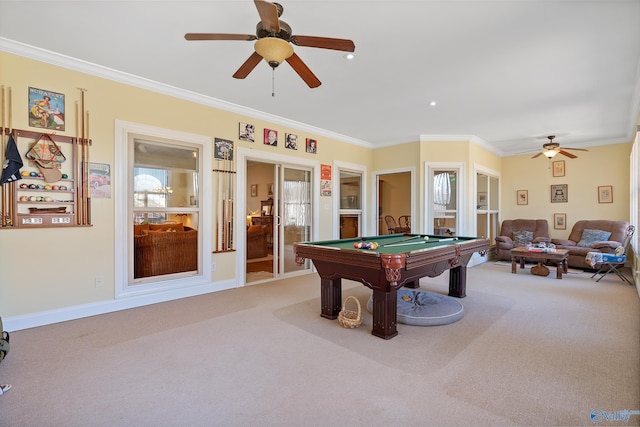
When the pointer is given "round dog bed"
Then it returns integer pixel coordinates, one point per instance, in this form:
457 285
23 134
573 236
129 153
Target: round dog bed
421 308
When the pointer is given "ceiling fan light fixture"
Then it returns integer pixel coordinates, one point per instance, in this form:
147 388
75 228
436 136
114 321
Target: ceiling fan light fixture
550 153
273 50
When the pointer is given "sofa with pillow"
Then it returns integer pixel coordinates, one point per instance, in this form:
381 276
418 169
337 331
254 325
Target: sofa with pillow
592 236
517 232
164 249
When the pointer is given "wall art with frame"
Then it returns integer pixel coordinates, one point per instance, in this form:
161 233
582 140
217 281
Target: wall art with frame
605 194
560 221
46 109
522 197
558 168
559 193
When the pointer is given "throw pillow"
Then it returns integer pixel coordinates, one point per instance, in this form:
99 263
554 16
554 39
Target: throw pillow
590 237
163 227
522 237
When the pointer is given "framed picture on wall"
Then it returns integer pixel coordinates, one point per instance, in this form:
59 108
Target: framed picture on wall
254 190
560 221
523 197
482 200
247 132
46 109
559 193
558 168
605 194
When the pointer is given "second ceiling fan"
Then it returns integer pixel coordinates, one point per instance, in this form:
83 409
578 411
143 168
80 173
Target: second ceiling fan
551 148
273 43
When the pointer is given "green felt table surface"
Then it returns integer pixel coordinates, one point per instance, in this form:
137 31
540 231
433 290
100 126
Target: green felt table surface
394 243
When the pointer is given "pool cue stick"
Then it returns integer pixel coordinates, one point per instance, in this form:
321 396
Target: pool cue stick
76 163
225 206
4 195
230 211
84 164
225 169
88 175
225 241
220 208
426 241
12 185
404 240
215 201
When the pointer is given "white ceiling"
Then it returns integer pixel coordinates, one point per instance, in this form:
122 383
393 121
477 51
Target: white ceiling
509 72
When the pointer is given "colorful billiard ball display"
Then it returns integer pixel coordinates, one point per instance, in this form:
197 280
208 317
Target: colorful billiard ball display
366 245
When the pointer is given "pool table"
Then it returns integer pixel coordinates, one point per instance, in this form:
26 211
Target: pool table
399 260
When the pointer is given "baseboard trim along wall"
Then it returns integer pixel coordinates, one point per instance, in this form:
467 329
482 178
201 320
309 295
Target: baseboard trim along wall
85 310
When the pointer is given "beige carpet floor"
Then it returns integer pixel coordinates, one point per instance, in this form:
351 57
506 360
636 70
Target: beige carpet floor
530 350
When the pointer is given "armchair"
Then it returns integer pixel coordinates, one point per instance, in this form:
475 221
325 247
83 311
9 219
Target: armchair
517 232
164 249
257 242
391 224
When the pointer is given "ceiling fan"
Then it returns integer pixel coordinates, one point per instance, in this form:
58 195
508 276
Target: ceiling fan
274 38
551 148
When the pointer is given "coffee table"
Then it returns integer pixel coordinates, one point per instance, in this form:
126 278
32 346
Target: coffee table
558 257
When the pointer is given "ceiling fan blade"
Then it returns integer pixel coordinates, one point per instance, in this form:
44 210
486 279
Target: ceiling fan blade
566 153
216 36
268 15
576 149
324 43
303 71
537 155
248 66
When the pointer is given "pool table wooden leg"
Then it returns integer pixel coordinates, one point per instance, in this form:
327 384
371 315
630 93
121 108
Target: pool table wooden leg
385 308
458 281
330 297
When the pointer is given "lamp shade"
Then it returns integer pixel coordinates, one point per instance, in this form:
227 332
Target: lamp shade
273 50
550 153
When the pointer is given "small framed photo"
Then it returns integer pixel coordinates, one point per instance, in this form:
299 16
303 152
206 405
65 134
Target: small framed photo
246 132
523 197
560 221
291 141
605 194
312 145
558 168
559 193
271 137
254 190
482 200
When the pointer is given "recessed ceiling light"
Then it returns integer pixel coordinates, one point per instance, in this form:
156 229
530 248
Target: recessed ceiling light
433 103
349 56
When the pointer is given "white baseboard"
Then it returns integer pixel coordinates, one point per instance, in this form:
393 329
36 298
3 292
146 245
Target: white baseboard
85 310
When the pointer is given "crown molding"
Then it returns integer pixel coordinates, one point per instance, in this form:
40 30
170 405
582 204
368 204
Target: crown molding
74 64
470 138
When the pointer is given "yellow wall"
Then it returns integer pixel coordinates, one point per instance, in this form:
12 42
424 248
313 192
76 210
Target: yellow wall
53 269
602 165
